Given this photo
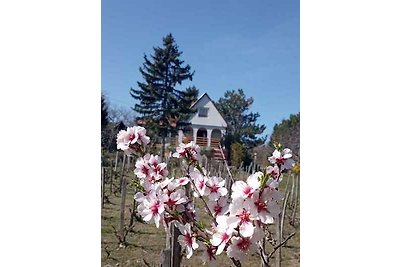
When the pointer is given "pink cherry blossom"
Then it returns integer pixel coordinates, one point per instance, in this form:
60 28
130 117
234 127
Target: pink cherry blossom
267 208
153 209
223 234
282 158
199 181
174 198
132 135
182 181
142 137
190 152
186 239
219 207
243 213
241 248
160 168
143 168
241 189
215 188
273 171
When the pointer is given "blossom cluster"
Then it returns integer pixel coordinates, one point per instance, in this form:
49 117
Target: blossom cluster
239 215
190 152
131 139
162 197
252 207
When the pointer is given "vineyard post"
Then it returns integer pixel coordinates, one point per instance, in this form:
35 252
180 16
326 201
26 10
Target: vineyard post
255 162
287 193
292 191
278 239
122 173
103 189
296 201
123 198
111 177
116 161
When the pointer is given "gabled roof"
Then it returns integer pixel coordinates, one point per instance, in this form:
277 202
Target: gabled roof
205 95
195 102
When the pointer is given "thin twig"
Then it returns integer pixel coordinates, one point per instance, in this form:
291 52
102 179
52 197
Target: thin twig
107 251
281 244
263 256
205 203
146 263
236 262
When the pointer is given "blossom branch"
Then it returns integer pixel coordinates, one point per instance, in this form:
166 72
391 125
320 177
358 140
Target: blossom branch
202 198
240 213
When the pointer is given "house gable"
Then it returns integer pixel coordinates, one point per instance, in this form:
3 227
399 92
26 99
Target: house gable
205 106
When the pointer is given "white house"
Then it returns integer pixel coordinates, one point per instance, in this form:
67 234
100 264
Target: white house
207 125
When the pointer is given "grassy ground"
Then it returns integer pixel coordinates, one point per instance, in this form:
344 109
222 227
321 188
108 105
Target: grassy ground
146 242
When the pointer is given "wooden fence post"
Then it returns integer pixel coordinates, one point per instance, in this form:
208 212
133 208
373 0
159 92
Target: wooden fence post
122 173
295 200
292 191
278 241
255 162
116 161
171 255
175 247
123 198
103 189
111 177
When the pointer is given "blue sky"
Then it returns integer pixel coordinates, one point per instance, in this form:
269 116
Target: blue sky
253 45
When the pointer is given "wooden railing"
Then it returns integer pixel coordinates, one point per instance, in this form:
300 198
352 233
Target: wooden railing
215 142
202 141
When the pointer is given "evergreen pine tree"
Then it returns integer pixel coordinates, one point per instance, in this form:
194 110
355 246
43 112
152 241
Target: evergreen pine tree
104 122
242 124
104 112
164 108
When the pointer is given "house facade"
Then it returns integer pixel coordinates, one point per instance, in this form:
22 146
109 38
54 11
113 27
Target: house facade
207 125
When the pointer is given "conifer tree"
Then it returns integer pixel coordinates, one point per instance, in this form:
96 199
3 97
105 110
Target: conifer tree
242 124
104 112
163 108
287 132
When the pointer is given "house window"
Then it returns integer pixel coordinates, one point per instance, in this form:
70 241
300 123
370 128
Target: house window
203 112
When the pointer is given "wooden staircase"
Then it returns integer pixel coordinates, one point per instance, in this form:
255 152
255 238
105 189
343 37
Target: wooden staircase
217 154
215 146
